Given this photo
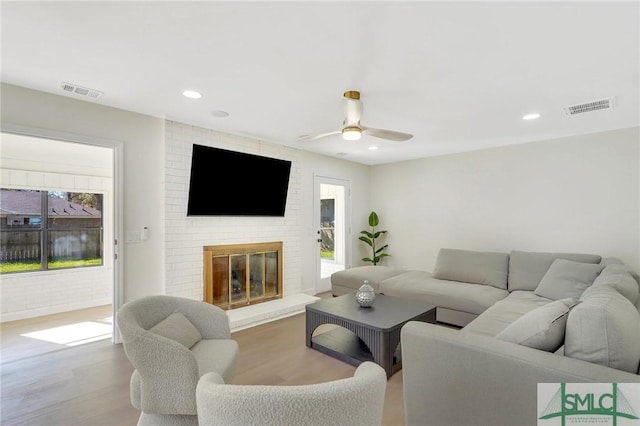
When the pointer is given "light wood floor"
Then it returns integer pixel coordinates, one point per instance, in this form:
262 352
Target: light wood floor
16 343
88 385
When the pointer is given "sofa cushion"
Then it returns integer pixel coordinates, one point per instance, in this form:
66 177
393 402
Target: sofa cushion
177 328
353 278
526 269
566 278
604 329
459 296
476 267
543 328
504 312
618 277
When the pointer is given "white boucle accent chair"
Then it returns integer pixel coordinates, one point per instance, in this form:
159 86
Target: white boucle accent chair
354 401
171 342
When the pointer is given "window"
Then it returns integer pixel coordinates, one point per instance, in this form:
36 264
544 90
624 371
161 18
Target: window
44 230
327 228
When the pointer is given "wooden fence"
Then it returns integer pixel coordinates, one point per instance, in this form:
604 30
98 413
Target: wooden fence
24 246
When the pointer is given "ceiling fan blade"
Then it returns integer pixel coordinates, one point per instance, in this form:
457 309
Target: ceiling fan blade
386 134
309 138
352 130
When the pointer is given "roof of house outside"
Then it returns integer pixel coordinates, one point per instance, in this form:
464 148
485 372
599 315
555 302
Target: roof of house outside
27 203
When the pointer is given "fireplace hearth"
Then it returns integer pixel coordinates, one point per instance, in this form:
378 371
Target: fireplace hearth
242 274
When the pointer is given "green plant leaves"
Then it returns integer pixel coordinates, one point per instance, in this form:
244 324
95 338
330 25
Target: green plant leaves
377 234
373 219
382 248
370 237
368 241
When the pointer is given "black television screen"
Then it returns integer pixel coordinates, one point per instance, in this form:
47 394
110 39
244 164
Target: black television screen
230 183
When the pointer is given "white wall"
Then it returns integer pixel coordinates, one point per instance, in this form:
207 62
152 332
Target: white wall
143 140
576 194
573 194
145 183
41 164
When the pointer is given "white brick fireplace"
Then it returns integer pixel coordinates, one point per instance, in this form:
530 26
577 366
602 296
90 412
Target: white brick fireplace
185 236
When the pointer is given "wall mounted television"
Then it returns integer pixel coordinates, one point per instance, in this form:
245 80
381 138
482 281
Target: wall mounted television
230 183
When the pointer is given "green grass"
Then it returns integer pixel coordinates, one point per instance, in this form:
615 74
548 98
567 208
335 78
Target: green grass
327 254
7 267
19 266
57 264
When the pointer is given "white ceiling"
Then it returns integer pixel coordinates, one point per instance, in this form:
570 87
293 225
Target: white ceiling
457 75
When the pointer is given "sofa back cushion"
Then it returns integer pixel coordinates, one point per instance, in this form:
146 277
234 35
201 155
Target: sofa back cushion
620 278
604 329
566 278
477 267
526 269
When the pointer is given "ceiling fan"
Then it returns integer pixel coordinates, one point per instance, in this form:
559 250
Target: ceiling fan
351 128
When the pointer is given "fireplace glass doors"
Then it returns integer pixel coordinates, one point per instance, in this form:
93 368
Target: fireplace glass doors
242 274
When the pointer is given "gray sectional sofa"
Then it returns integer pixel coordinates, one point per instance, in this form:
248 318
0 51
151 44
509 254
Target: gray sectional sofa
525 318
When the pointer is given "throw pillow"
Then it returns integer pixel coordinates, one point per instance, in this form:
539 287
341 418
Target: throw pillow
526 269
543 328
178 328
566 278
604 329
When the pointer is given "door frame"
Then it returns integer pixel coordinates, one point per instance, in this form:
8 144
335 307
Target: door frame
118 157
319 179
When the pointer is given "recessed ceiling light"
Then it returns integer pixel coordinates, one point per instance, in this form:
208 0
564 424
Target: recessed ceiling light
192 94
373 148
220 114
531 116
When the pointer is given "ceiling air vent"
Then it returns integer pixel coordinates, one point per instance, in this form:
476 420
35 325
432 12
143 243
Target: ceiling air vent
79 90
590 106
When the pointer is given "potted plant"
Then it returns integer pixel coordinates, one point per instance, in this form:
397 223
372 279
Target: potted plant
370 238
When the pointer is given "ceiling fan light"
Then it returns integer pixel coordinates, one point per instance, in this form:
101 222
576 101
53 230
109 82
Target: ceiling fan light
351 133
